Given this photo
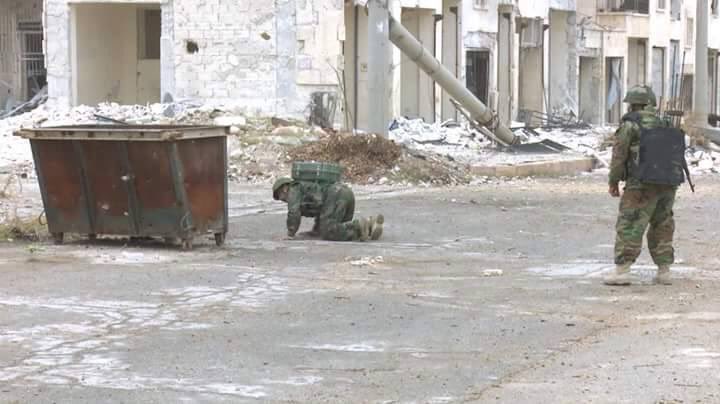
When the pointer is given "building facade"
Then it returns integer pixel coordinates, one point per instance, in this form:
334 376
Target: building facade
521 57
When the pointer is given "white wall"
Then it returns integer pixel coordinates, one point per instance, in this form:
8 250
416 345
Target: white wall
563 62
106 58
417 88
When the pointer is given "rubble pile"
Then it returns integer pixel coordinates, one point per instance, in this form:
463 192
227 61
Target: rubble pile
362 155
702 161
262 149
454 141
459 143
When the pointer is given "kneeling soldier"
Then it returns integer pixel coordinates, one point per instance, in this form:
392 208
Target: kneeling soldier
332 206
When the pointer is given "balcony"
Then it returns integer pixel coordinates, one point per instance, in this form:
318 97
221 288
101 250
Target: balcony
624 6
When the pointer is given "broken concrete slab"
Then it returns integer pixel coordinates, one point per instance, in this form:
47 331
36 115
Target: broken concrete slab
556 168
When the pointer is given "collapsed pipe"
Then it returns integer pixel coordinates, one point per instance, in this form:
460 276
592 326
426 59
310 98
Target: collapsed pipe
407 43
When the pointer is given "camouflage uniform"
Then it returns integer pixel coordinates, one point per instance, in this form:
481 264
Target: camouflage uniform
332 206
641 204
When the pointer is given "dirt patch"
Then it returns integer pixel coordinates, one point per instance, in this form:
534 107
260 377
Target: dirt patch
22 230
428 169
362 156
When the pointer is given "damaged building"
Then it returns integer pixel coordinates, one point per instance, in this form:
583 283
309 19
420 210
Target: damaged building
22 65
297 57
266 57
647 42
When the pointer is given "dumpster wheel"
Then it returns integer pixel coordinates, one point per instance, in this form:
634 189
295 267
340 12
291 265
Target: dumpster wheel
58 238
187 244
220 239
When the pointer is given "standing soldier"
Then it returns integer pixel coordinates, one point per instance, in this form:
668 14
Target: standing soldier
332 206
648 156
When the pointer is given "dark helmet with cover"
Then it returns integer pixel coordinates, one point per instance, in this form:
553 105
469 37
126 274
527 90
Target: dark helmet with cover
279 183
642 95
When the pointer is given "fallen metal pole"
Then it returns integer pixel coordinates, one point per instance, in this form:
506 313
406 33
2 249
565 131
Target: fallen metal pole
407 43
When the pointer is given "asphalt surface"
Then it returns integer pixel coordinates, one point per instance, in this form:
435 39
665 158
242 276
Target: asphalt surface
487 293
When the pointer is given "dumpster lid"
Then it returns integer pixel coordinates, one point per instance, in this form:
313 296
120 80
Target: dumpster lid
124 132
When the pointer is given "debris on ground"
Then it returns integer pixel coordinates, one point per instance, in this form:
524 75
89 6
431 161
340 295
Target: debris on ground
37 100
261 149
16 229
564 121
492 273
365 261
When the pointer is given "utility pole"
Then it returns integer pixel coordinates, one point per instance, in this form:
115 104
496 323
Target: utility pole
700 100
378 66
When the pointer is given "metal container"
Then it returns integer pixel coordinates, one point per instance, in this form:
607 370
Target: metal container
316 172
131 180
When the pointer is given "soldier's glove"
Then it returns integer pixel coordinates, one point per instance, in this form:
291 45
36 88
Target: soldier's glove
614 190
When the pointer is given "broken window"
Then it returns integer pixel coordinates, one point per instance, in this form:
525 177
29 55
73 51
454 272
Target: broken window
675 10
149 31
614 80
675 68
480 4
658 71
32 57
631 6
532 33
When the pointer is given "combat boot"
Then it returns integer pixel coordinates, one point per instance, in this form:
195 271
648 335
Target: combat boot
663 275
620 277
376 227
362 228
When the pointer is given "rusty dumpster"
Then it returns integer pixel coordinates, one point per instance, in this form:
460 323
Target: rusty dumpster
133 180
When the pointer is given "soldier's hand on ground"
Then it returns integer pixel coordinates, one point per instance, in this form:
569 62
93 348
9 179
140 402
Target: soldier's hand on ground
614 191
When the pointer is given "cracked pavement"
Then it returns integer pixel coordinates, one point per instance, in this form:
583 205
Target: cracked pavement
489 293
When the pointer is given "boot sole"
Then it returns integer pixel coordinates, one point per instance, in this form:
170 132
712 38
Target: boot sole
618 283
377 232
376 228
364 230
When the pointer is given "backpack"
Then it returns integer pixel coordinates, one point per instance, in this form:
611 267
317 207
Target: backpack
661 158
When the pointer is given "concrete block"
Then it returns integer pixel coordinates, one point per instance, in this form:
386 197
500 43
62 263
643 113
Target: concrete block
557 168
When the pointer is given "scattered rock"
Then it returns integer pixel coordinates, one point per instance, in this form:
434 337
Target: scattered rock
365 261
492 272
238 121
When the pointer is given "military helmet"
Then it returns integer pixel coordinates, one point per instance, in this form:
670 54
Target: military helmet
279 183
641 95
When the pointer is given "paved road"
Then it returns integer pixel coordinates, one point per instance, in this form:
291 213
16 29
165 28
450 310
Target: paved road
422 316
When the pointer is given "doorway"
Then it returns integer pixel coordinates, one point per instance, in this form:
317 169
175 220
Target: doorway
614 89
417 90
477 73
658 75
116 50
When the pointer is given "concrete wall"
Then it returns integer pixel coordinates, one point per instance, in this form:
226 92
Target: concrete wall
563 62
106 53
591 89
418 91
263 57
